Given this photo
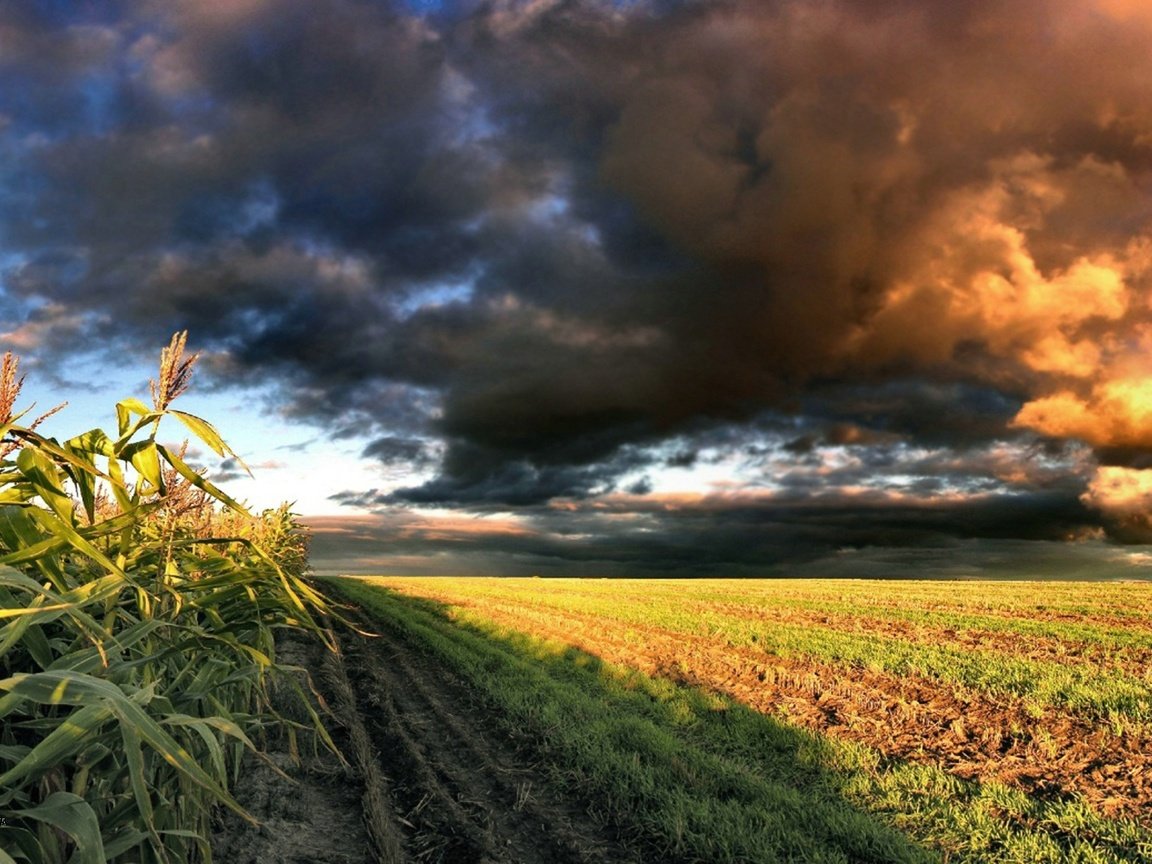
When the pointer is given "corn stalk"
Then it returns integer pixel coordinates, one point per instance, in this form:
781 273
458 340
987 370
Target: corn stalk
136 640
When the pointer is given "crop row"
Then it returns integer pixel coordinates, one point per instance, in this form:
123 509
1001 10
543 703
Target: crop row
138 608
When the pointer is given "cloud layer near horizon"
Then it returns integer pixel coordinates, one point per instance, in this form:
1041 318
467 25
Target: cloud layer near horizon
883 259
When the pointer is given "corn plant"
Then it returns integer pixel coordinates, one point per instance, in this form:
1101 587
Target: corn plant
136 639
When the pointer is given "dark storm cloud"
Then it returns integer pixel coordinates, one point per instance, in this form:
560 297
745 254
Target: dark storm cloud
227 471
735 537
560 237
476 480
392 449
932 412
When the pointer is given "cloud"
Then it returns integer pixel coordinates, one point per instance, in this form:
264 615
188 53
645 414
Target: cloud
393 449
1124 497
638 535
1115 413
228 471
546 251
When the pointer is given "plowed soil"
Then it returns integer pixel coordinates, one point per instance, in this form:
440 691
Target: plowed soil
966 732
428 778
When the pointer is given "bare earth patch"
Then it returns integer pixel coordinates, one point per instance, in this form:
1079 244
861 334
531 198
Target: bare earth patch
428 778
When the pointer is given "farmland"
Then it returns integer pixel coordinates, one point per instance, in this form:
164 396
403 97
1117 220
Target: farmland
810 720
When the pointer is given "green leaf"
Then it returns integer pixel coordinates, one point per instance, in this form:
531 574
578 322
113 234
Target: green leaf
37 552
63 531
117 524
22 841
175 755
125 408
16 527
76 818
46 479
133 749
63 744
93 441
47 445
207 433
89 660
101 699
90 443
14 495
122 842
14 752
198 481
86 486
211 744
146 461
14 631
37 643
119 488
61 687
32 612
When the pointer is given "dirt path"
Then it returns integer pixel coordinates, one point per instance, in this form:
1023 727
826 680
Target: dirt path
310 815
429 779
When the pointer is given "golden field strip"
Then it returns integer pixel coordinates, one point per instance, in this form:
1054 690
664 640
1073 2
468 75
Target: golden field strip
1005 721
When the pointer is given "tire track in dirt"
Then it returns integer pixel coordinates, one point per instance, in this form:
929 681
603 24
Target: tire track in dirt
462 792
429 781
380 818
306 799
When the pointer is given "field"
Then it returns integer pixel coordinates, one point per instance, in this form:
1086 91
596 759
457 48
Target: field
719 720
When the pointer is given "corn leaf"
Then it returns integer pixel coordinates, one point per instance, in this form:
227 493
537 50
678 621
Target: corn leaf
37 642
125 408
175 755
61 687
70 535
19 840
198 481
207 433
64 743
93 441
146 461
47 445
134 752
122 842
45 478
76 818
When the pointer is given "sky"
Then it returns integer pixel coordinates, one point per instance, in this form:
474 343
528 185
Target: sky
581 287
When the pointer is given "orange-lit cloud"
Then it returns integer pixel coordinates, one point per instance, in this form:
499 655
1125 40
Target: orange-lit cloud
1116 413
449 525
1124 498
1127 10
1123 490
973 276
430 525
